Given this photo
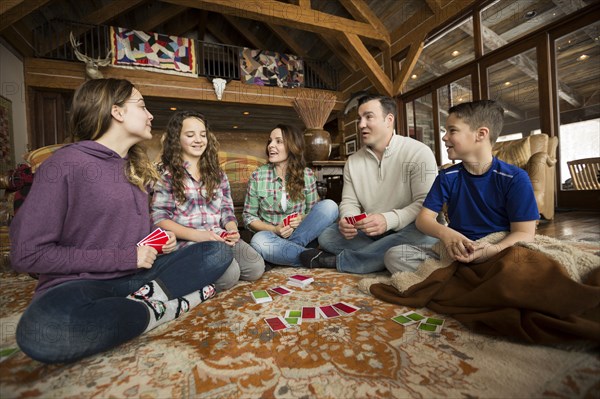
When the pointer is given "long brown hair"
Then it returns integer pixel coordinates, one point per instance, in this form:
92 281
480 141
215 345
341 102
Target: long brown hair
172 158
91 118
293 140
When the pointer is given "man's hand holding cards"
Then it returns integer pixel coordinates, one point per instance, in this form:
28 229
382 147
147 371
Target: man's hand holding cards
356 218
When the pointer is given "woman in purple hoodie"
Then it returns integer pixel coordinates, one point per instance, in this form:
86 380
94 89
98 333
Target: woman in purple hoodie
78 229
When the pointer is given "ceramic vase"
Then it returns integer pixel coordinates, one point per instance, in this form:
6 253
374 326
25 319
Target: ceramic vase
317 145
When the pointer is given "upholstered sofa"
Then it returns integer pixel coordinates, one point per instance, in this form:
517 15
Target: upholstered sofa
536 154
237 166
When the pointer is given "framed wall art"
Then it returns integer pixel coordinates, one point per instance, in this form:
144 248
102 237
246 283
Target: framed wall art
350 147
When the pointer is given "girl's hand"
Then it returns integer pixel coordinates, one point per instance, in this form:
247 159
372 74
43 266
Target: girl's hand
145 257
283 231
233 236
295 222
206 235
171 244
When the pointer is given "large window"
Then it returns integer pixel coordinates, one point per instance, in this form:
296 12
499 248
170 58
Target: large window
514 83
450 95
504 21
578 70
443 53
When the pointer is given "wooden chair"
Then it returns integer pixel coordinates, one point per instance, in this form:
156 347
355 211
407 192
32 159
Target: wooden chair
585 173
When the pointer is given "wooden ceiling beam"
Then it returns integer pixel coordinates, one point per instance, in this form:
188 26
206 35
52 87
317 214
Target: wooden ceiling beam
160 17
340 52
14 11
275 12
20 38
434 5
239 25
367 63
361 12
297 49
98 17
414 52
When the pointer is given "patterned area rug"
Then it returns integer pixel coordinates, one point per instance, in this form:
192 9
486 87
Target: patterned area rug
223 348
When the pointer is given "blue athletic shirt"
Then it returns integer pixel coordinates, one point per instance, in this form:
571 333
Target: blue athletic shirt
479 205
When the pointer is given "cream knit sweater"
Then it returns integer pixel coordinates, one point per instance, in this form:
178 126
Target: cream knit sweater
396 186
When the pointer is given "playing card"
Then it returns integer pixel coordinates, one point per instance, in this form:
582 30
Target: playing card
224 234
151 236
353 219
413 316
328 312
345 308
431 325
288 218
281 290
293 321
293 313
261 296
309 313
299 280
277 323
405 321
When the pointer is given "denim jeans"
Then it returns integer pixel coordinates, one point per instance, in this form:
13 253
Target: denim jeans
286 251
364 254
84 317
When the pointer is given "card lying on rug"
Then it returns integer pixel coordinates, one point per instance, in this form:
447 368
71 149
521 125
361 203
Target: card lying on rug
345 308
281 290
431 325
157 239
277 323
261 296
298 280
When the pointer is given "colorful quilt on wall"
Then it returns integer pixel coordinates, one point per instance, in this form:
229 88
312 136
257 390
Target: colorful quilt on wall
153 51
268 68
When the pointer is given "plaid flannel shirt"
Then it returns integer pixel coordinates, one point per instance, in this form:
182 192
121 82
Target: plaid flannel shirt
197 212
263 197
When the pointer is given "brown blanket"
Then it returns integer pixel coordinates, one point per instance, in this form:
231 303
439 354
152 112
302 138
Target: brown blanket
518 293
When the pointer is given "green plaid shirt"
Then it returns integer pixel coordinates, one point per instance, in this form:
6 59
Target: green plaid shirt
263 197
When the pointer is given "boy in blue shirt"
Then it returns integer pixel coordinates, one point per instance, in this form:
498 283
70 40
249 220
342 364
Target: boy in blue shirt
483 194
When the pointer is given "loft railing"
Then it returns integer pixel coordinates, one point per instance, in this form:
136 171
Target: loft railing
214 60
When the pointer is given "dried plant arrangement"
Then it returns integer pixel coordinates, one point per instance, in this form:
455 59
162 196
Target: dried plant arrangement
314 107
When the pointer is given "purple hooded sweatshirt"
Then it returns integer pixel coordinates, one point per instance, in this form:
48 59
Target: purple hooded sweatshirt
81 219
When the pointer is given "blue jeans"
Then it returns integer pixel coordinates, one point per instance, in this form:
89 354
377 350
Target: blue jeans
84 317
286 251
364 254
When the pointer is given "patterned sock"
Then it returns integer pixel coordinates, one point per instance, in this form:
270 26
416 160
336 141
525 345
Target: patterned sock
163 311
150 290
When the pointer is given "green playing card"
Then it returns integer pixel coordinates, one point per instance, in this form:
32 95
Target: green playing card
293 313
432 320
414 316
293 321
260 294
401 319
428 327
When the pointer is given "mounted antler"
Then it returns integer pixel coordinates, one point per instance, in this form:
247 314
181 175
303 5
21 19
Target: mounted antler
91 64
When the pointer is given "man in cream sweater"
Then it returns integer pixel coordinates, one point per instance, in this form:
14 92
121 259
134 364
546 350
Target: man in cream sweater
387 179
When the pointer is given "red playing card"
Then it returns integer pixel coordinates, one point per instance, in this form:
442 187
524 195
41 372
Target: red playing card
300 277
344 307
158 247
276 323
329 311
150 236
281 290
360 217
309 313
224 234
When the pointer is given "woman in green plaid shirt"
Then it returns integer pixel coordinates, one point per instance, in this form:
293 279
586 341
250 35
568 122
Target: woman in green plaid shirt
282 205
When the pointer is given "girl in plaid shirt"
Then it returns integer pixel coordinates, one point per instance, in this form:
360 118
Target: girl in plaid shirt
284 187
193 200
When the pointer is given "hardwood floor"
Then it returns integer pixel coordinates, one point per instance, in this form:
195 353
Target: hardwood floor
572 225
